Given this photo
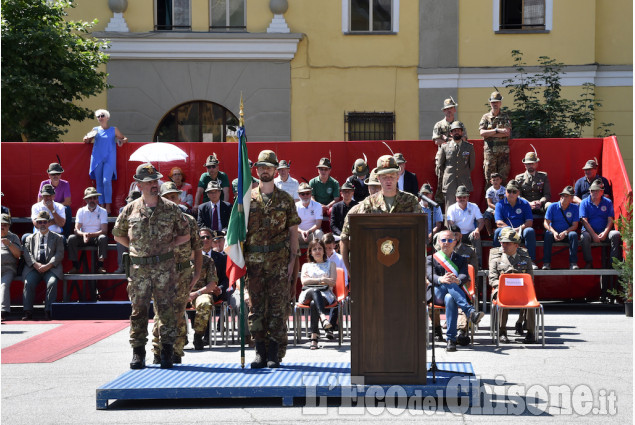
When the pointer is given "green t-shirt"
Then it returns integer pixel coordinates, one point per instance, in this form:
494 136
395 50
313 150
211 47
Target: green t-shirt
324 193
205 179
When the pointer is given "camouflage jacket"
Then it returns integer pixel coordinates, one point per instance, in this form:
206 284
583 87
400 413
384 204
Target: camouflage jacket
442 128
500 263
208 274
184 251
490 122
269 223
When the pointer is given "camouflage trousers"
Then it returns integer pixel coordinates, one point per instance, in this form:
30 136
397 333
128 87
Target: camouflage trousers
204 304
496 160
268 286
155 282
182 297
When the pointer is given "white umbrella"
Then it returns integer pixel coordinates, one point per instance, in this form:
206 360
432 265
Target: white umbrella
158 152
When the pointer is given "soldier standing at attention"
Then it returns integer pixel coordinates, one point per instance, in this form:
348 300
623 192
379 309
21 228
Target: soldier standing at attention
496 129
187 276
456 163
271 249
151 228
441 135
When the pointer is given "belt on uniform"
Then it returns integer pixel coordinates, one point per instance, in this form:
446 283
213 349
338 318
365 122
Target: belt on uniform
154 259
184 265
496 143
265 248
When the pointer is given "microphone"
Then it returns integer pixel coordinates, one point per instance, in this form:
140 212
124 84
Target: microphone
428 200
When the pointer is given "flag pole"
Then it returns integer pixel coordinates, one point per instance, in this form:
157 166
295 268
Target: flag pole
241 123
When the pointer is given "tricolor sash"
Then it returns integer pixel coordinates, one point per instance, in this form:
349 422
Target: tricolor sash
446 262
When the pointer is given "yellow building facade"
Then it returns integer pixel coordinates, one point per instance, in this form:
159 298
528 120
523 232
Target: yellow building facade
305 70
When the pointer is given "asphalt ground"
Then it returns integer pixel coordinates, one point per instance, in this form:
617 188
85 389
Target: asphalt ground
583 375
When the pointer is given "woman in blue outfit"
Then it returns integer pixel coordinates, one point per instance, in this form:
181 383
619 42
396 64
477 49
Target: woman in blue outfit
103 161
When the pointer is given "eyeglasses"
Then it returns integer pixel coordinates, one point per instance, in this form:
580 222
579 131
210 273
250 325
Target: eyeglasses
41 222
512 191
206 237
211 166
101 116
447 240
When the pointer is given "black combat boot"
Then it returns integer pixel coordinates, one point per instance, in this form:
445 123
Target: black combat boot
157 358
261 356
138 358
167 351
198 341
272 355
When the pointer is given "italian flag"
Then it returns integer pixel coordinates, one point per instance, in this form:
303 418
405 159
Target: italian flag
445 261
237 229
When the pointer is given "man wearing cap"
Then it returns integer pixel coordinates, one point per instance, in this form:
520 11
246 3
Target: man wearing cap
373 184
513 211
214 213
435 217
326 189
441 135
151 228
310 213
91 229
189 260
62 192
511 259
464 214
213 173
534 185
341 209
55 210
204 289
271 249
357 180
407 181
584 183
561 223
11 250
220 260
448 271
597 216
43 255
285 182
456 163
496 129
388 200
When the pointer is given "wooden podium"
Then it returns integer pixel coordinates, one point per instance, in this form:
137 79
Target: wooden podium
388 296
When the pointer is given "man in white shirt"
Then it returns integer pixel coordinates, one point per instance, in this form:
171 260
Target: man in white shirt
310 213
285 182
91 229
464 214
55 210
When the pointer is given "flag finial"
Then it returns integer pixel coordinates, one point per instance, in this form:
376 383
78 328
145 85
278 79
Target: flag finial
241 114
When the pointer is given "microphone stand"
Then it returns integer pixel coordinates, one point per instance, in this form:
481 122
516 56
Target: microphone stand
433 363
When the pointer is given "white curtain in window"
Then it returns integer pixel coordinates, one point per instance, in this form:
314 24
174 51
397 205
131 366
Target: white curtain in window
533 12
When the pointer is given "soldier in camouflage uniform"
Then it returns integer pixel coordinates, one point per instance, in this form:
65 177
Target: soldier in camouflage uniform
151 228
496 129
509 258
201 298
271 249
188 273
456 163
388 200
534 184
441 135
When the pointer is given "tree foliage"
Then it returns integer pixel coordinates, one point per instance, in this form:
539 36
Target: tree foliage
625 268
540 111
48 65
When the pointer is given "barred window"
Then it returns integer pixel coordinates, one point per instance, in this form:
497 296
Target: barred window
369 126
227 15
522 14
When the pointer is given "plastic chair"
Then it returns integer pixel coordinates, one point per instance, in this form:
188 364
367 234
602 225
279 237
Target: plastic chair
224 325
340 297
516 290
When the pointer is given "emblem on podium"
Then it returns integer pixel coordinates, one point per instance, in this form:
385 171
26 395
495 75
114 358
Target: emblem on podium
388 251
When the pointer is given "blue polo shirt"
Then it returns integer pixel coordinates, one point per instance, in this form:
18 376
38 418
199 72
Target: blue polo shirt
557 218
582 187
597 215
436 215
514 216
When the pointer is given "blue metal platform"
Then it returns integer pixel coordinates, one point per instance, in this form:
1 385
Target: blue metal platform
224 380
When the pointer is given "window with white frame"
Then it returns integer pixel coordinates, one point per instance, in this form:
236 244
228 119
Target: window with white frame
227 15
172 15
522 15
370 16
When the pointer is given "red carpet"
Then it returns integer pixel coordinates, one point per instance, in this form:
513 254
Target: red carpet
57 343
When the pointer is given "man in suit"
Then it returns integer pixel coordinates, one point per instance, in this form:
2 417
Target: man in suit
449 275
215 213
456 163
407 181
43 255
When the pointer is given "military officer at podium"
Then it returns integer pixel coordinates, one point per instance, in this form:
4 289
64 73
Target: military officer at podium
151 228
388 200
